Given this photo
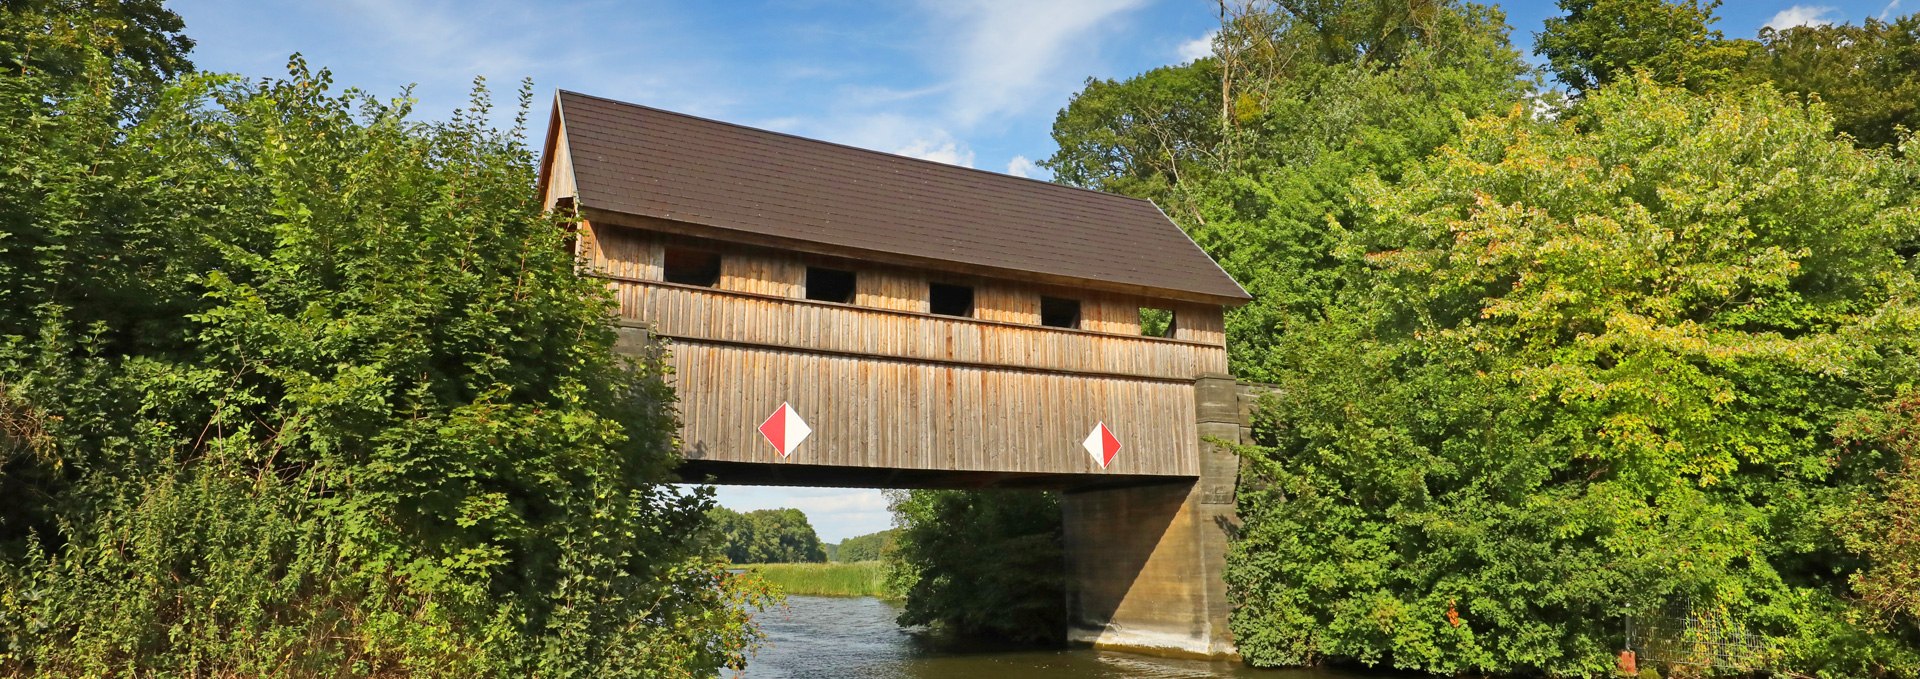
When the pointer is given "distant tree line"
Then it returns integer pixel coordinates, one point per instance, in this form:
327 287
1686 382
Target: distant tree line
766 536
869 547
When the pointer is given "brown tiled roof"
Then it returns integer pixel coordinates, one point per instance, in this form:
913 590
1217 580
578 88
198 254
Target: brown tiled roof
636 160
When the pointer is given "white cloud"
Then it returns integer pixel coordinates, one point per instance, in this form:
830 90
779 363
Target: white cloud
1198 47
991 59
891 133
438 46
1011 55
947 151
1888 10
1021 167
1800 15
781 124
443 37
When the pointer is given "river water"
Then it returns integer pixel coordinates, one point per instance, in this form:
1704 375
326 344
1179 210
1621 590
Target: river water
856 638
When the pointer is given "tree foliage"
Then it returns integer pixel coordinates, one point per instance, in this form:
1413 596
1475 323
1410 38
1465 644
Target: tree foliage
766 536
1867 74
1883 525
291 384
1265 188
869 547
1581 371
980 563
60 41
1604 41
1140 137
1541 373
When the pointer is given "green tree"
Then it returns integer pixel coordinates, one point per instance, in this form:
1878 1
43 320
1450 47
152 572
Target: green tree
1603 41
342 408
1267 192
1580 371
1884 523
980 563
767 536
1868 74
139 42
869 547
1141 137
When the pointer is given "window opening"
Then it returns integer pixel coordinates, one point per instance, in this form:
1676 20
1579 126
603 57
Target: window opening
691 267
1156 322
950 300
1057 312
830 285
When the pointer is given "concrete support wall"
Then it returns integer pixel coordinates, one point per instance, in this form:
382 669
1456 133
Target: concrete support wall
1145 563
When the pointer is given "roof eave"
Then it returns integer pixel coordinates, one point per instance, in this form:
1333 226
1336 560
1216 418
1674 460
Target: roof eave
546 150
1244 296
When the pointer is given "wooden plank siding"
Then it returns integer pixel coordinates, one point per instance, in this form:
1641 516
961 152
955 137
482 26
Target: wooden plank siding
884 384
762 274
631 253
724 316
894 290
1006 303
927 416
560 180
1196 323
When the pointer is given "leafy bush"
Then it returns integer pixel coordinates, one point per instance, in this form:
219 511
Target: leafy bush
1580 371
293 385
1883 525
980 563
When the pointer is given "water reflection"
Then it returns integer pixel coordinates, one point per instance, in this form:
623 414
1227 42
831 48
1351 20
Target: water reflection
856 638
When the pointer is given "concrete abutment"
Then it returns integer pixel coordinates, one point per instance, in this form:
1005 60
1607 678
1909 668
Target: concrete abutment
1145 564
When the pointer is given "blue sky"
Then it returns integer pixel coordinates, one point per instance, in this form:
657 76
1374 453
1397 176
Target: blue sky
972 82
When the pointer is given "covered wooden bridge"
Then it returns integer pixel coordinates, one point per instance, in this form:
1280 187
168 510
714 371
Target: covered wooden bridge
842 317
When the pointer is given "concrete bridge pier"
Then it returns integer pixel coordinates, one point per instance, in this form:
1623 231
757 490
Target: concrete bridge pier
1145 563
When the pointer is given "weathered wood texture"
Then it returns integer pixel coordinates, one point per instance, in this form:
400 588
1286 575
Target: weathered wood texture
694 313
893 290
762 274
559 181
885 384
636 254
1006 303
912 415
611 253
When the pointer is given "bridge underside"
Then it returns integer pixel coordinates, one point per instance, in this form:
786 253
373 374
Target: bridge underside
1145 553
835 476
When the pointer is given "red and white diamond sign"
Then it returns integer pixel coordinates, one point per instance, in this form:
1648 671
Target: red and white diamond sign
1101 444
785 430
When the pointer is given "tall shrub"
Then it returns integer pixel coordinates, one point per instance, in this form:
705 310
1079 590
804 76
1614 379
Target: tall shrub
980 563
336 404
1584 371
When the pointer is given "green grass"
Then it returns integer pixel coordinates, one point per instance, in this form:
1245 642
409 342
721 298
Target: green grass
863 578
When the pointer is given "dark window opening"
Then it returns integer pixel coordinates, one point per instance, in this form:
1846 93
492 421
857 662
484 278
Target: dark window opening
692 267
1059 313
950 300
1156 322
829 285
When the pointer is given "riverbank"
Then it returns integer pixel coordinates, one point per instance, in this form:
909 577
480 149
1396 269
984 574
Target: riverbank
862 578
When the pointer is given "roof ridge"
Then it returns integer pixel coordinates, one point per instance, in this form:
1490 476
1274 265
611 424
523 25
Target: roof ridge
789 135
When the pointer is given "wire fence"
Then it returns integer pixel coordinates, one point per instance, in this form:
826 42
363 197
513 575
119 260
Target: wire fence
1705 637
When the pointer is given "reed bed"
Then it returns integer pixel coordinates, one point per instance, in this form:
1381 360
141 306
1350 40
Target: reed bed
862 578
